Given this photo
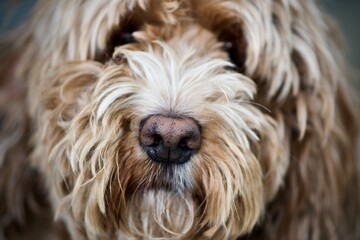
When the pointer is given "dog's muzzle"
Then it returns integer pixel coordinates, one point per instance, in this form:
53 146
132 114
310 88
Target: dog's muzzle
171 140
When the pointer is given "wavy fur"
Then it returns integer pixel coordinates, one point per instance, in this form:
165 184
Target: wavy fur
278 120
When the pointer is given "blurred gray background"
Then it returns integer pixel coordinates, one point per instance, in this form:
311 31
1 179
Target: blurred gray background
347 13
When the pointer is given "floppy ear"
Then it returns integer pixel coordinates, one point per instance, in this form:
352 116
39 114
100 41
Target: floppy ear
20 188
319 199
302 77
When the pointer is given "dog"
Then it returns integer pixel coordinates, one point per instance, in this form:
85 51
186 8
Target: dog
191 119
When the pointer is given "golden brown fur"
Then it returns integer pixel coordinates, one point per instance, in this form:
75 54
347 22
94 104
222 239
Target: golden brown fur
266 80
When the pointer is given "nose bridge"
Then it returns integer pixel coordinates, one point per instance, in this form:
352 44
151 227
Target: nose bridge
176 74
172 70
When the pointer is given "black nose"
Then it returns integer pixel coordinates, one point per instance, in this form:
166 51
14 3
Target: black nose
170 140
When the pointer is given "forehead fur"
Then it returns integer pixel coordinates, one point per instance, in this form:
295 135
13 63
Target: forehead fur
280 34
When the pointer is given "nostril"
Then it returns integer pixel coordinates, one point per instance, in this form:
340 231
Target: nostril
189 143
183 144
150 139
157 140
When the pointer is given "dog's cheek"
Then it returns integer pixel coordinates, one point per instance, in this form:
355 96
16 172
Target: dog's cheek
228 185
64 128
236 182
272 152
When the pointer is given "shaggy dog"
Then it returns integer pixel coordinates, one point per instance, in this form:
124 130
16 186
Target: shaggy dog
191 119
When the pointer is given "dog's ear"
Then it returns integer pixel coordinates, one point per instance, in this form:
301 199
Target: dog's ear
301 75
320 190
20 188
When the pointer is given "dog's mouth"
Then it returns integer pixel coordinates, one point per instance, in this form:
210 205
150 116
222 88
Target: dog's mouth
170 177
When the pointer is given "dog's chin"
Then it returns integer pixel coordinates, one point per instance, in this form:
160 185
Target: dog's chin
160 212
164 203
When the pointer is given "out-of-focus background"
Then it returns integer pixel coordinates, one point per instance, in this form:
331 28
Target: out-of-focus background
346 12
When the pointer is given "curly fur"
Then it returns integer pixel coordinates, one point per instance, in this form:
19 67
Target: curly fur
278 120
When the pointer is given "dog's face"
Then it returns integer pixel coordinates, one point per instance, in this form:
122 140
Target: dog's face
161 135
179 119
